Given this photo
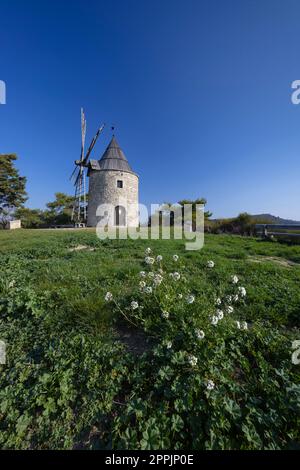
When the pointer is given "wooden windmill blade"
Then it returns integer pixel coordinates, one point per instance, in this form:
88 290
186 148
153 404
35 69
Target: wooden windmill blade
93 144
79 199
83 133
73 173
78 212
77 177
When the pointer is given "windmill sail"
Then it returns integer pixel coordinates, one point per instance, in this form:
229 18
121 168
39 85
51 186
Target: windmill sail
93 144
83 133
79 211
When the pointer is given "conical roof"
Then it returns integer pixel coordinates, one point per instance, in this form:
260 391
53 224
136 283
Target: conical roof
114 158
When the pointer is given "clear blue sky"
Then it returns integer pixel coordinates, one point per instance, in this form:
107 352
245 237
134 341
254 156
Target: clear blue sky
199 92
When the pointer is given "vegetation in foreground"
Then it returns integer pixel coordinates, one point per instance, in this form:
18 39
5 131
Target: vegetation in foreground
74 377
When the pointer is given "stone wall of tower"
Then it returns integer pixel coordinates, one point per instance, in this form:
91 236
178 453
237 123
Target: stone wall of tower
103 189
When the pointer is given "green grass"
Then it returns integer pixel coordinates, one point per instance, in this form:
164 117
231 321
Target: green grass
67 371
81 277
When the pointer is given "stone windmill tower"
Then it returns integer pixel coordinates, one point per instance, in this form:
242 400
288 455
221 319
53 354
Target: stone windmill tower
113 183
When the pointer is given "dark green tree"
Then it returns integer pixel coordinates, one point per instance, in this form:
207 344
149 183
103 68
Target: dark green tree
194 204
244 224
12 187
59 211
30 218
167 215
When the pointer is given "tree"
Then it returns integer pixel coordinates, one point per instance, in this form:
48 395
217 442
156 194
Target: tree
194 204
63 203
245 224
30 218
12 188
167 215
60 210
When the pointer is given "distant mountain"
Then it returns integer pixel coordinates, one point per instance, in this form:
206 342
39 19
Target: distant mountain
267 219
272 219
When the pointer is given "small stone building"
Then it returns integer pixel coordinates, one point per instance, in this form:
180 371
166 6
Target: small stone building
113 190
13 224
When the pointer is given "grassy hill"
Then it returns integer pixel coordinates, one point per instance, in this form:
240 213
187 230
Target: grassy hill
83 372
272 219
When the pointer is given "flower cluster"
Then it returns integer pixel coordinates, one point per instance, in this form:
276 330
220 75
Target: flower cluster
164 305
210 385
227 302
200 334
190 299
175 276
242 325
108 296
134 305
242 291
192 360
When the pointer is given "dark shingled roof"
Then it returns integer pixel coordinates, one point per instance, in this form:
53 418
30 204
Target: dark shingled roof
112 159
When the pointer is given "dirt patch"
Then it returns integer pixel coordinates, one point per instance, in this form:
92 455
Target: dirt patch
136 341
273 259
81 247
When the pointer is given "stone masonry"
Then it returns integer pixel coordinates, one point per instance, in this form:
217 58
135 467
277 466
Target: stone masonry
112 183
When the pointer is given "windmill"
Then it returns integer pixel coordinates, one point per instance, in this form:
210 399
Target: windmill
80 203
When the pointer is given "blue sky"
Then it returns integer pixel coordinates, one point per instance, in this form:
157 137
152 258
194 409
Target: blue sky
199 91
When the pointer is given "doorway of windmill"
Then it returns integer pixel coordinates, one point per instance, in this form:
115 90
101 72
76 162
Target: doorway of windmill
120 216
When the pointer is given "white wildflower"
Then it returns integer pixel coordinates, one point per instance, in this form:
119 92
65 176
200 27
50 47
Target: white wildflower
143 274
169 344
219 314
192 360
242 291
218 301
200 334
176 276
142 284
148 290
148 251
150 274
180 296
165 314
190 299
214 320
159 258
210 385
238 324
134 305
157 279
108 296
244 325
234 279
210 264
229 298
229 309
12 283
175 257
149 260
295 354
235 298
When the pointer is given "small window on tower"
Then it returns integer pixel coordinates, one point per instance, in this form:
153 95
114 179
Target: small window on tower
119 184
